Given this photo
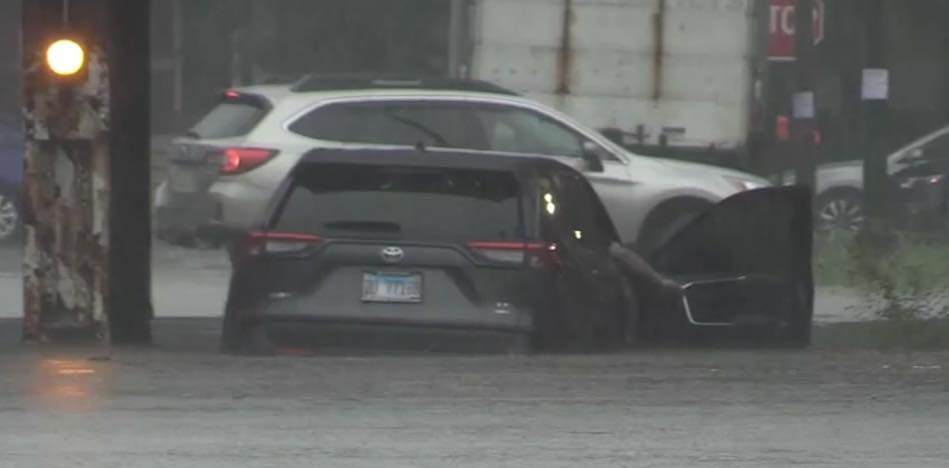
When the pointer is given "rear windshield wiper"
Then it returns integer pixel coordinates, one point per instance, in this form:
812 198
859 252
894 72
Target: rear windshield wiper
192 134
382 227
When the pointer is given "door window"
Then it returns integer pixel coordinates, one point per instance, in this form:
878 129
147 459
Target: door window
392 123
516 130
582 217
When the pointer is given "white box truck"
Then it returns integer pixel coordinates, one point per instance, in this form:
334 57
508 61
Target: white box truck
674 74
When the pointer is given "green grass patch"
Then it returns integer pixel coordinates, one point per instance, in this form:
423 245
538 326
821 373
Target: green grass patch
906 285
911 266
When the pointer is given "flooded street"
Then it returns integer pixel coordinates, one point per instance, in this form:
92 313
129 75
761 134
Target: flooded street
189 407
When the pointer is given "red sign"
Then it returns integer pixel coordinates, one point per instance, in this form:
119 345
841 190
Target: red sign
781 30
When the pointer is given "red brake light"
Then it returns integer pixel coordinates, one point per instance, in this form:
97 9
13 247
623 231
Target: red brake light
239 160
257 243
537 254
232 94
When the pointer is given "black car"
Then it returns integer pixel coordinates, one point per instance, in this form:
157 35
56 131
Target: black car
403 248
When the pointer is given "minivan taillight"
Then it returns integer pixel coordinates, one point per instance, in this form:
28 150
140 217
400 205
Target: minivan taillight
257 243
240 160
538 255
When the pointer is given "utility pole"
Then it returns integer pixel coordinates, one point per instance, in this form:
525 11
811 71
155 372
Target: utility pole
456 37
804 100
86 184
130 301
874 112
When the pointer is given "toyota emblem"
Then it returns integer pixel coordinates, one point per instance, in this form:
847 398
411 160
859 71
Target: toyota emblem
392 254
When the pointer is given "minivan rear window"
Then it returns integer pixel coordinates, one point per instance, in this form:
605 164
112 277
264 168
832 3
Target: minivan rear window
402 203
230 118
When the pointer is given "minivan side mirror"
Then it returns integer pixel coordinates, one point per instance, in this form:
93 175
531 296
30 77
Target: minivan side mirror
591 156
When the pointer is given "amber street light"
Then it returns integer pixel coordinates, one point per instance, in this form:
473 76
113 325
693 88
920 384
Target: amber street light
65 57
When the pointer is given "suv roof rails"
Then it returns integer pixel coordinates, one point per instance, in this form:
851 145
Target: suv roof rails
334 82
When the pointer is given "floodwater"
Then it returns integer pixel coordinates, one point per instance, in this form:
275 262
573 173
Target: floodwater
189 407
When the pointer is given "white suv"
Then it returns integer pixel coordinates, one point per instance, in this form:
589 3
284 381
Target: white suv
225 169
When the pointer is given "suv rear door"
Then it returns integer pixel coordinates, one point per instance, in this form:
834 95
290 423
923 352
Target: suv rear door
576 221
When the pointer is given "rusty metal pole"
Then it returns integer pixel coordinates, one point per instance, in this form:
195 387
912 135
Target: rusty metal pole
66 179
69 196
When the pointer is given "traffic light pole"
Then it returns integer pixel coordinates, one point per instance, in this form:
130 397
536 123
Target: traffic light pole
85 194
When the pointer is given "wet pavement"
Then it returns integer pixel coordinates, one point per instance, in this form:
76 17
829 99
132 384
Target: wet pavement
182 404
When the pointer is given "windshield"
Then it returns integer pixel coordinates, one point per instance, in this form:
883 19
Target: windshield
474 233
936 144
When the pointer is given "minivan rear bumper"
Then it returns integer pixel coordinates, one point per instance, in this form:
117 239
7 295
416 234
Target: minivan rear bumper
314 332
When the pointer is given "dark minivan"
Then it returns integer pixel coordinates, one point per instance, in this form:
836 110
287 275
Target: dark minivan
427 251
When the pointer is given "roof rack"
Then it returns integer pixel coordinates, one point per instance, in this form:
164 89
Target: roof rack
336 82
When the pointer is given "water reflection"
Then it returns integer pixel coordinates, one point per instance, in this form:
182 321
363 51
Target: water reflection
72 383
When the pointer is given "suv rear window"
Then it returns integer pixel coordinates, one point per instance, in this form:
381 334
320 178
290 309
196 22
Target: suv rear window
402 203
230 118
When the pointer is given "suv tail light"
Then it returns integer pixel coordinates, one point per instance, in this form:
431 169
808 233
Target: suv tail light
240 160
257 243
538 255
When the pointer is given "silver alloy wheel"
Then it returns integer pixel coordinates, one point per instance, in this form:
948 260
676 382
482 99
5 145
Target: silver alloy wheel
840 215
9 218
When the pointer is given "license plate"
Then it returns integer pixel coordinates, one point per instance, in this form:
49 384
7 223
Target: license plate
392 287
182 180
